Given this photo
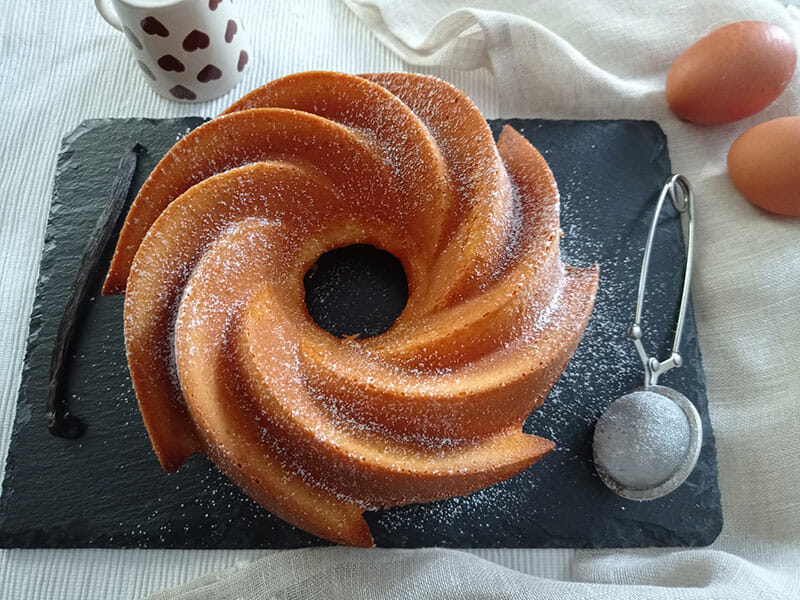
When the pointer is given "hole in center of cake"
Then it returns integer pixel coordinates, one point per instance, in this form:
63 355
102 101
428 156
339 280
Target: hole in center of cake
356 290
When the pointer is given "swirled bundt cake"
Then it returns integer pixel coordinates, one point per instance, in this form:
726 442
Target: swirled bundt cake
225 358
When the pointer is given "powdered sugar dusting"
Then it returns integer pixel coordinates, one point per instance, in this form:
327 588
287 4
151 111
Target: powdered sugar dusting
433 408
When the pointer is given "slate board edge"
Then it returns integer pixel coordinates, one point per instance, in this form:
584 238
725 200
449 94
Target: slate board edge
34 328
713 532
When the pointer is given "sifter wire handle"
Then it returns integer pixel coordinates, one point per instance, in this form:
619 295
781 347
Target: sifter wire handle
680 192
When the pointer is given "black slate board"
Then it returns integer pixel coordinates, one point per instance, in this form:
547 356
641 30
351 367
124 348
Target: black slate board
107 490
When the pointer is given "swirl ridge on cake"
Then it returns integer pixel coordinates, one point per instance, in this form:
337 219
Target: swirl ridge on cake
225 358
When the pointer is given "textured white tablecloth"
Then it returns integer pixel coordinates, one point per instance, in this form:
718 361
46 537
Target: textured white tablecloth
61 64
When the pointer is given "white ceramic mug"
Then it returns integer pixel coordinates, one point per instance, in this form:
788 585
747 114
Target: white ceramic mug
189 50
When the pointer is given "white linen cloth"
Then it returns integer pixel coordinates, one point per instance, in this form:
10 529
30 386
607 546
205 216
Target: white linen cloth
603 59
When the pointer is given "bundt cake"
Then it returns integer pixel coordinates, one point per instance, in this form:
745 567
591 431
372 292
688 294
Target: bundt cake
225 358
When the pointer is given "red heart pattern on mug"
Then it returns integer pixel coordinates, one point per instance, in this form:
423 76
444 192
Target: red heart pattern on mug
153 26
170 63
230 31
182 93
209 73
196 40
174 63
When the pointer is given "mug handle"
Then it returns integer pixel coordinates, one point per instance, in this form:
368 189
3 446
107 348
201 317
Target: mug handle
108 13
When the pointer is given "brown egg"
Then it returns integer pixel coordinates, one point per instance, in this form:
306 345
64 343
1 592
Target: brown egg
764 165
731 73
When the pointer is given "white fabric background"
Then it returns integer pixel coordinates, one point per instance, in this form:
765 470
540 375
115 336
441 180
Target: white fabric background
60 64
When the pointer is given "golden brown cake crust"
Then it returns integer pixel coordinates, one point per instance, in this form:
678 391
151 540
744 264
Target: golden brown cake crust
225 359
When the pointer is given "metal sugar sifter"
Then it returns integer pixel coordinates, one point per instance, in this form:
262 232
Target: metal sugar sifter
647 442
